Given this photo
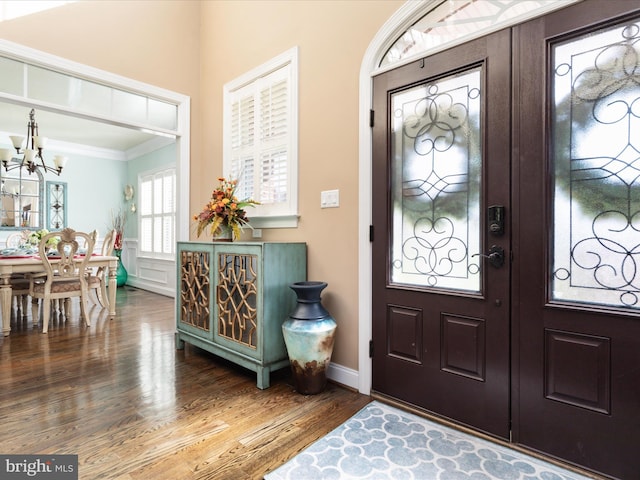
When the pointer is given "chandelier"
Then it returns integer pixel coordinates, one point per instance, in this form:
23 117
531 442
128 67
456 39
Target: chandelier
32 154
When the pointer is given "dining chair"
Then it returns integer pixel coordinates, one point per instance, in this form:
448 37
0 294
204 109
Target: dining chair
20 291
63 304
97 278
64 275
84 245
19 282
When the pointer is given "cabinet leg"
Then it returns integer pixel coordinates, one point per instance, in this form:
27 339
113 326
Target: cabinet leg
263 377
179 342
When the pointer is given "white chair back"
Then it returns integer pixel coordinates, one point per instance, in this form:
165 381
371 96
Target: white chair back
68 264
109 243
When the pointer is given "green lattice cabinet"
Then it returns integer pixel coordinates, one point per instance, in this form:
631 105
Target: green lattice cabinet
233 297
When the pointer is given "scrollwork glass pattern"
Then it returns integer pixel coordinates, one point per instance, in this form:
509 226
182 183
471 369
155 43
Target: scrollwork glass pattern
596 138
435 187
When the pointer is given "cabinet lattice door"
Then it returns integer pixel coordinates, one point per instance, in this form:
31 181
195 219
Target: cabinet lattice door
195 289
237 295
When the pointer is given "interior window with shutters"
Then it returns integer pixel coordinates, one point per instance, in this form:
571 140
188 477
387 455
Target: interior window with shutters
157 212
261 140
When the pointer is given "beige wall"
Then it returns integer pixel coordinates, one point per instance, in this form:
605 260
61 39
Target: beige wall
332 37
133 38
195 47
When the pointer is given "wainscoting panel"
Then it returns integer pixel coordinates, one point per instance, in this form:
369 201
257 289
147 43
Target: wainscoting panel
152 274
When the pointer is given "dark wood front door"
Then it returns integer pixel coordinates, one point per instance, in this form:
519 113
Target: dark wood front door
441 309
577 248
544 120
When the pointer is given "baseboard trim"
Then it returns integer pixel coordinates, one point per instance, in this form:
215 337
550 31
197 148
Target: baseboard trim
343 375
142 285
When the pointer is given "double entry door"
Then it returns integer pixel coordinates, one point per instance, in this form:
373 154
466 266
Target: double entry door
506 247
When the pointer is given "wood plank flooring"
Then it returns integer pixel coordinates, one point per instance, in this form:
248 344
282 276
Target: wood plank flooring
120 396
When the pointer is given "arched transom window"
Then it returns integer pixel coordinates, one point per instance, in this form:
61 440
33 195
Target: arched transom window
450 22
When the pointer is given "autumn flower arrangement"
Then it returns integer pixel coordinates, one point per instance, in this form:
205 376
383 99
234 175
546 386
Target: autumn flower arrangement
224 210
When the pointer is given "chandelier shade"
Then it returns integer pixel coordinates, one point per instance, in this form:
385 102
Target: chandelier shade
31 152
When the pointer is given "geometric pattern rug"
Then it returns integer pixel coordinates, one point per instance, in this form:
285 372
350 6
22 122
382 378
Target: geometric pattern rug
381 442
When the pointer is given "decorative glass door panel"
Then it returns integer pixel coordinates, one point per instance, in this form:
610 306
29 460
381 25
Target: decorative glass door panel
435 183
596 120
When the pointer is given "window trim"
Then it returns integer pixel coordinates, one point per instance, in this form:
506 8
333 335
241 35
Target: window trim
290 57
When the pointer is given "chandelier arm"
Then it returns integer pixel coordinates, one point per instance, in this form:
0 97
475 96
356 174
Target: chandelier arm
29 142
34 148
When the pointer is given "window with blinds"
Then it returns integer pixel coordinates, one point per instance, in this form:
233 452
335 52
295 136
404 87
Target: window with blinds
157 212
260 139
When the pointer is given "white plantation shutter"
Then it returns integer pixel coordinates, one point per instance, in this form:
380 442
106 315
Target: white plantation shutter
157 212
145 213
274 138
260 136
243 171
273 177
243 142
168 212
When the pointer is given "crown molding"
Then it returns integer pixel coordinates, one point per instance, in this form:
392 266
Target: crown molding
147 147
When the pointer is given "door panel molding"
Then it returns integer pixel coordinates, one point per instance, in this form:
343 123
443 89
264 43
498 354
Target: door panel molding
463 346
578 370
404 325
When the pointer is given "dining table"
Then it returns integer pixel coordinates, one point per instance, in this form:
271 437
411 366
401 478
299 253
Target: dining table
32 263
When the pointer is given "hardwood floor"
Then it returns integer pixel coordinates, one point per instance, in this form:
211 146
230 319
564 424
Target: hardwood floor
120 396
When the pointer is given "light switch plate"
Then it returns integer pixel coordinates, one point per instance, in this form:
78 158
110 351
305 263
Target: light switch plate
330 198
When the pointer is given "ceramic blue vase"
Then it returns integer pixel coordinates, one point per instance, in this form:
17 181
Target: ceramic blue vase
309 334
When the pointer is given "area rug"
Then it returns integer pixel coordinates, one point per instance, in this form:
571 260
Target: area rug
382 442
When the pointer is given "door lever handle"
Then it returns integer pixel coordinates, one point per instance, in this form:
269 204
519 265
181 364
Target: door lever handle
495 256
